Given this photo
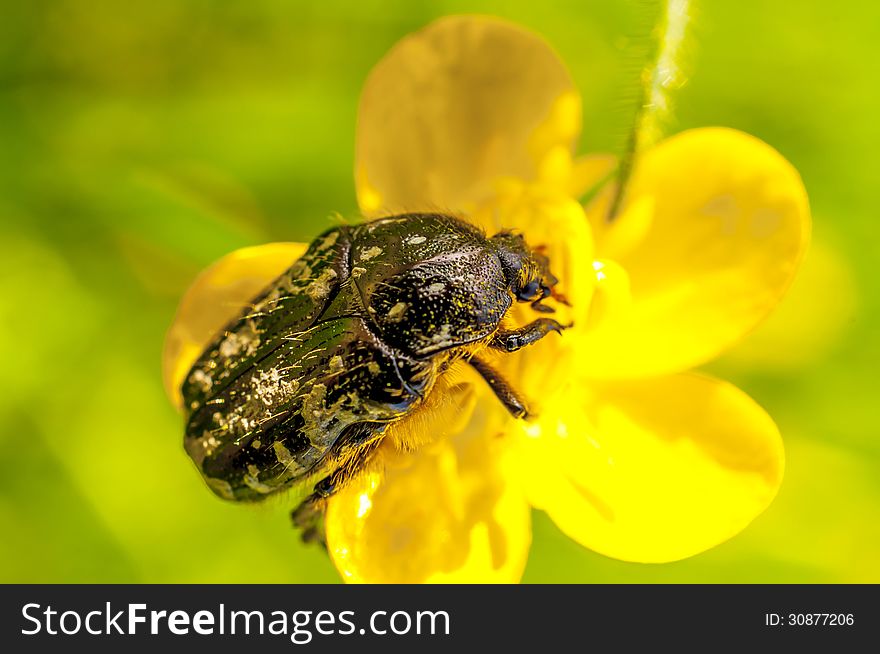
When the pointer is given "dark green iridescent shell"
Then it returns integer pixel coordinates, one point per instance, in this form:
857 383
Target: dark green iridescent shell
353 334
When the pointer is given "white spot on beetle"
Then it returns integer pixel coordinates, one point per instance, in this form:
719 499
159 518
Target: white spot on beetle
202 380
370 253
282 454
328 241
444 336
320 286
208 444
252 480
271 387
313 403
244 341
395 314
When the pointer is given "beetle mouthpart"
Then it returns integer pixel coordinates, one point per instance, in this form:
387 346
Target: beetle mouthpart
559 297
542 308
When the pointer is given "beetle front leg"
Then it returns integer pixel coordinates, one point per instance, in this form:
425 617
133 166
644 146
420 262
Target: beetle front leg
514 339
503 391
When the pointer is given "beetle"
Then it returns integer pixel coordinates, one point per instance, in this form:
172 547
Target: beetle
303 384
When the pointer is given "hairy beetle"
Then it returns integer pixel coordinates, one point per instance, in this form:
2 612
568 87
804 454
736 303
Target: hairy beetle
352 337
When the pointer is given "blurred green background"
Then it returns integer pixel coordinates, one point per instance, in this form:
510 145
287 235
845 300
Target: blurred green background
139 141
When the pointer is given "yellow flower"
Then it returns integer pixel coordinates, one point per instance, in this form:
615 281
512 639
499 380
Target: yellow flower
630 454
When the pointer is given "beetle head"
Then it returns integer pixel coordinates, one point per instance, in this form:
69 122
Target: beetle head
527 269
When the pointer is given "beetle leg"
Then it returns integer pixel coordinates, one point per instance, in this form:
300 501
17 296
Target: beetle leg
355 448
509 397
308 517
514 339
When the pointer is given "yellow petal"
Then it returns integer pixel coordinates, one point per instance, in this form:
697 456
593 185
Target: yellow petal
713 230
655 470
611 294
453 107
810 322
589 171
216 296
442 514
